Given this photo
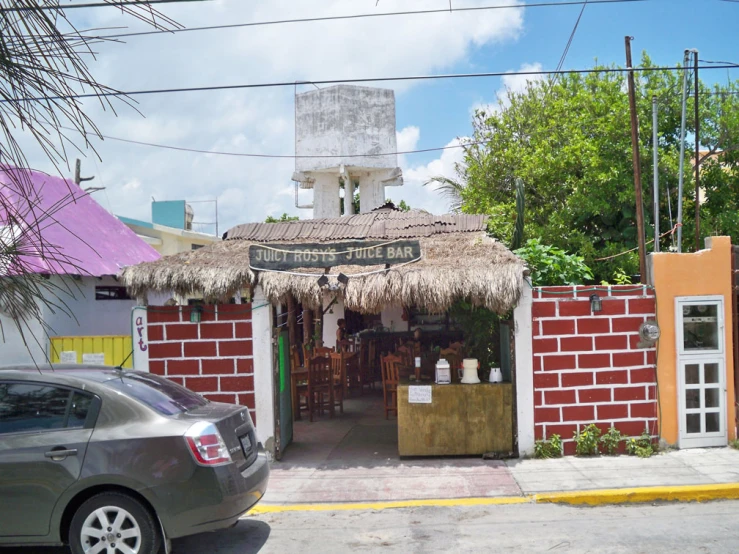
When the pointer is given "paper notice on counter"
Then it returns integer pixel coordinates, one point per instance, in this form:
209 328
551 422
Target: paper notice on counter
68 357
419 394
93 359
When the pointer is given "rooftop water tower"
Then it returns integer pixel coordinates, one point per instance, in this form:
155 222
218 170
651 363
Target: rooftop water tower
350 131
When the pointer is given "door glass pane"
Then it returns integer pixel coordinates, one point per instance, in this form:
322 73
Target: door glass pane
692 399
693 423
712 398
713 424
700 327
31 407
711 373
692 375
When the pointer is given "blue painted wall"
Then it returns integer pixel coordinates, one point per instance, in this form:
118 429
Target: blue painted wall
170 213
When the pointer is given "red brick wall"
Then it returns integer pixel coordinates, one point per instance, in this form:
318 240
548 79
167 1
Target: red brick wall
213 357
587 366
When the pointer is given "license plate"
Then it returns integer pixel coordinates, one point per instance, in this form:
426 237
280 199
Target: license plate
245 443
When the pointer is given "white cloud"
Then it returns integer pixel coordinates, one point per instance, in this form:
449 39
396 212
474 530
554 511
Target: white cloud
262 120
510 83
415 191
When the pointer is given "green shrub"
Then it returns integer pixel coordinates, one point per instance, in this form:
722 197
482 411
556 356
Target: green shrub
611 440
553 266
551 448
586 441
641 447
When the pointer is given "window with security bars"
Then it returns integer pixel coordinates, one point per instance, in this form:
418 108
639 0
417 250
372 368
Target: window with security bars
111 293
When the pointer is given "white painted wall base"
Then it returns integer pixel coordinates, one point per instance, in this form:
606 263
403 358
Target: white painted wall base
524 373
262 324
392 318
330 320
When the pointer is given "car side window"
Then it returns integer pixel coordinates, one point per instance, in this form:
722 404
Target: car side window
27 407
79 410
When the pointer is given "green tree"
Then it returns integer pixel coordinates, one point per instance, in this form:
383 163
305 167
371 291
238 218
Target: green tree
42 68
284 217
569 141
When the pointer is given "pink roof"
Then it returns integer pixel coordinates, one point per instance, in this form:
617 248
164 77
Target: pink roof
62 230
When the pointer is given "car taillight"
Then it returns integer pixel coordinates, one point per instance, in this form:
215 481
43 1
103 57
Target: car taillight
207 445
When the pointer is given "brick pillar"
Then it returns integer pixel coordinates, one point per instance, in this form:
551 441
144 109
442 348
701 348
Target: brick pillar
588 367
213 357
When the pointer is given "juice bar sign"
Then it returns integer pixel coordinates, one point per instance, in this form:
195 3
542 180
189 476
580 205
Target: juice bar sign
293 256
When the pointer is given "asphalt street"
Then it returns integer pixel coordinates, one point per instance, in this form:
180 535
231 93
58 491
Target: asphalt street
653 529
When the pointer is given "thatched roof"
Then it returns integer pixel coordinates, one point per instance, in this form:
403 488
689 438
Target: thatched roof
454 265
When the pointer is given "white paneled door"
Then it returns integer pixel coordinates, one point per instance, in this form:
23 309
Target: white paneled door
701 371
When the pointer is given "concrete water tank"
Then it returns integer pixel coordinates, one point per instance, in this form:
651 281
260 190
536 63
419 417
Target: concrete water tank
350 124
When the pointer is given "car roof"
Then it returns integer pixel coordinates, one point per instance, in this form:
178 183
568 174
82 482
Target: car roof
76 372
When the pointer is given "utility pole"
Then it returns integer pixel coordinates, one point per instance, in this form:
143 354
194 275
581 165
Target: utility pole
77 169
637 166
655 145
697 160
686 60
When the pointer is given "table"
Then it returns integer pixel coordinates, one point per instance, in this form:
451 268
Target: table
460 420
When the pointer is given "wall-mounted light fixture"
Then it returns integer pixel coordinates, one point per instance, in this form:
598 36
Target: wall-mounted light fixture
196 314
595 303
343 279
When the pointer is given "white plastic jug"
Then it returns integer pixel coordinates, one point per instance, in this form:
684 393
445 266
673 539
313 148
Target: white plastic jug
469 375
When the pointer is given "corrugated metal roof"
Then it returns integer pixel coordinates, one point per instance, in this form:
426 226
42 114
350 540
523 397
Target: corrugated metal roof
375 225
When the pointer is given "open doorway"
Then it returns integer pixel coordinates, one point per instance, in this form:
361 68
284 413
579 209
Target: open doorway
363 430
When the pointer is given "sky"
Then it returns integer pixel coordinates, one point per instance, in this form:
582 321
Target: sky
430 114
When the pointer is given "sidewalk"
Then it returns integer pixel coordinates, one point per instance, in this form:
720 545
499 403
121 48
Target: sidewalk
460 478
353 459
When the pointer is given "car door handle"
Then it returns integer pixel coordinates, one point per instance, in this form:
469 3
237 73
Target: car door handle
62 453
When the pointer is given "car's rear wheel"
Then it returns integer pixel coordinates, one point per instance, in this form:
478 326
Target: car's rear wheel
113 523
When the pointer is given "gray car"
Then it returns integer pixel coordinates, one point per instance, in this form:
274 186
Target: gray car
119 462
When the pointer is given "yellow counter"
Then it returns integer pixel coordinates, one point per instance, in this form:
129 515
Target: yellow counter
460 420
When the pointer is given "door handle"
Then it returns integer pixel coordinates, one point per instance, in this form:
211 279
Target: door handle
61 453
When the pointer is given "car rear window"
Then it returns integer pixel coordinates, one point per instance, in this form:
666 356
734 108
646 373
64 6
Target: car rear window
164 396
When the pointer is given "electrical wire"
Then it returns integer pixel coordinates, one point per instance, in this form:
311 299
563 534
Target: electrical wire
278 156
367 15
572 36
277 84
110 4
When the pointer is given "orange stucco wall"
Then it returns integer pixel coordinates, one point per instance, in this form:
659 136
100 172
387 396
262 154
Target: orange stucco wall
707 272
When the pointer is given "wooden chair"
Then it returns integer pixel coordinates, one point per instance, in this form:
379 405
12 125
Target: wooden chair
406 365
455 361
323 351
299 384
320 386
353 376
338 372
459 348
390 380
366 368
372 361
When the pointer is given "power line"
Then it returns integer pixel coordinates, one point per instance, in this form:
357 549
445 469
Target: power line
111 3
277 156
278 84
572 36
367 15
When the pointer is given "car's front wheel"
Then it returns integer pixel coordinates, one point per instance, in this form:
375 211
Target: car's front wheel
113 523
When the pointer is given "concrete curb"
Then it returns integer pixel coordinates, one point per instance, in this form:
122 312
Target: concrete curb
682 493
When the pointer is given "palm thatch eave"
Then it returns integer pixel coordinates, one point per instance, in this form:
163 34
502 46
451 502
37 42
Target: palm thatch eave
455 266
